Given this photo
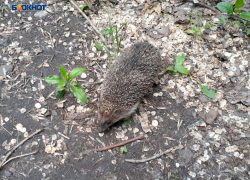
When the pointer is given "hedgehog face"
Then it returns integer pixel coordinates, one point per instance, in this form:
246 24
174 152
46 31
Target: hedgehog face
109 115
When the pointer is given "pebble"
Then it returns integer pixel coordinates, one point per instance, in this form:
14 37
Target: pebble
41 14
211 116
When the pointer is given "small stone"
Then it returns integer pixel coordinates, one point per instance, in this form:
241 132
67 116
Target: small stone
203 98
153 113
177 165
155 123
135 130
88 130
25 134
12 170
54 137
192 174
185 157
41 14
19 127
38 105
46 166
211 116
83 75
113 161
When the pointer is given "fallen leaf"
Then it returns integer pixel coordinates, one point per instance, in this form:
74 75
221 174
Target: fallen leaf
150 8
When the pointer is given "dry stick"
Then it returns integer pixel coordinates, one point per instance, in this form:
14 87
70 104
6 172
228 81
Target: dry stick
22 155
203 5
5 129
19 144
82 13
155 156
121 143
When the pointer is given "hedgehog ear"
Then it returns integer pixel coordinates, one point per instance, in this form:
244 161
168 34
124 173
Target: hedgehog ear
117 112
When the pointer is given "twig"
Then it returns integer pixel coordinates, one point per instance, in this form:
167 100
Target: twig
19 144
22 155
203 5
82 13
121 143
98 161
63 135
5 129
155 156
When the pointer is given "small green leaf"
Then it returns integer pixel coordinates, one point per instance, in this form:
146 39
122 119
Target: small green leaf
123 149
54 79
84 7
73 82
63 72
245 15
189 31
75 72
236 10
248 31
79 93
236 22
106 47
59 94
182 69
174 73
84 147
4 7
170 68
239 3
222 19
127 122
225 7
174 176
98 46
110 25
208 92
105 31
60 86
244 22
180 59
207 25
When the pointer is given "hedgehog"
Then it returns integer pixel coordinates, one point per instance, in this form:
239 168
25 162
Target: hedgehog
130 78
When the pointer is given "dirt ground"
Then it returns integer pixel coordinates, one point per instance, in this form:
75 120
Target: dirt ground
214 132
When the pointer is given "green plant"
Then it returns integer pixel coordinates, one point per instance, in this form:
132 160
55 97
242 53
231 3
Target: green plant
234 12
98 46
174 176
68 84
2 9
208 92
123 149
178 66
84 7
197 28
127 122
115 38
